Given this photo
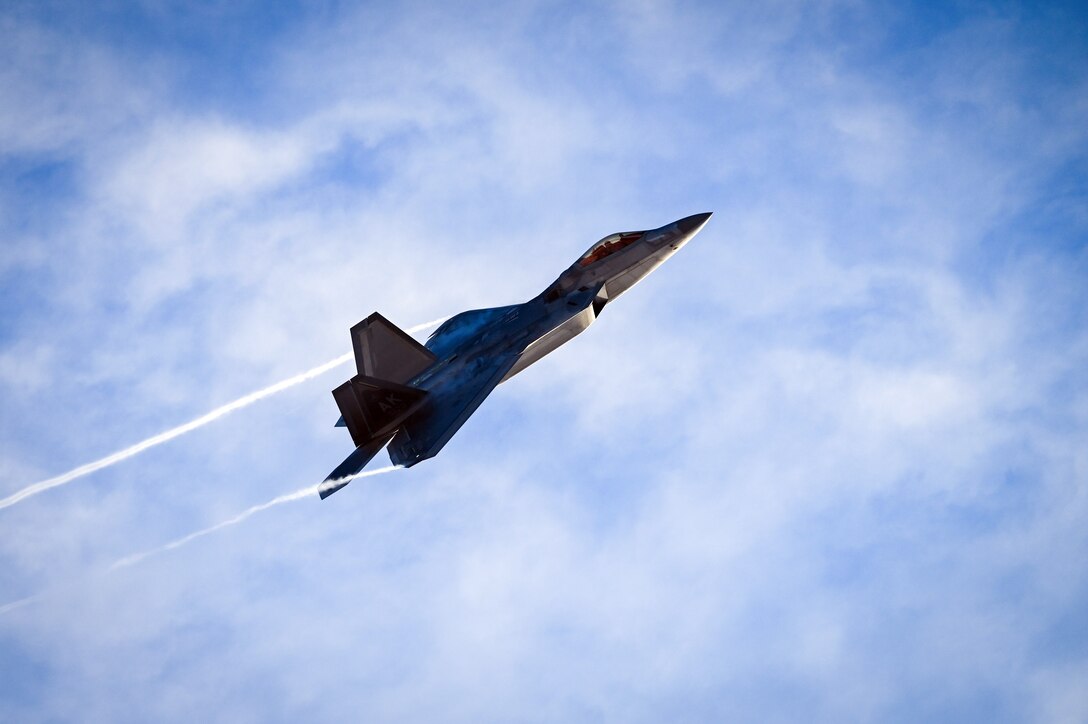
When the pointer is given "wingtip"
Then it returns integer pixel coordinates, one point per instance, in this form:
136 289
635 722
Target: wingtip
326 489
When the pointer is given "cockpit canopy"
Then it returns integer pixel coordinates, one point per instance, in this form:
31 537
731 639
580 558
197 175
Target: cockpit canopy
609 245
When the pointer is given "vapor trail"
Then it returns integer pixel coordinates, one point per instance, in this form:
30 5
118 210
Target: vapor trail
297 495
19 604
187 427
138 557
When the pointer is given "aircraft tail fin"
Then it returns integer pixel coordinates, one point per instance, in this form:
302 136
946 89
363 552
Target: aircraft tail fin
376 402
385 351
372 408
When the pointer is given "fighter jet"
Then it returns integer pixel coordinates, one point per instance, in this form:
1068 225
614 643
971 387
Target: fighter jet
414 397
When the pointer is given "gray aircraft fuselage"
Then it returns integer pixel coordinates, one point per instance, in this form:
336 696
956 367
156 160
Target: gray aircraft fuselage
413 398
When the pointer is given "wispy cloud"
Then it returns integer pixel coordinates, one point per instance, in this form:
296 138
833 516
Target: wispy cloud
825 464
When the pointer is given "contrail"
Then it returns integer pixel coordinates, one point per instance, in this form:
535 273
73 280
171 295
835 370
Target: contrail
20 603
297 495
139 557
187 427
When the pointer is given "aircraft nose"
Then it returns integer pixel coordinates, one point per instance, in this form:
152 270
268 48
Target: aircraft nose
691 224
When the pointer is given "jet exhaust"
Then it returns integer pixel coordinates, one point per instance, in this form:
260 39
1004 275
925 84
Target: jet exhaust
187 427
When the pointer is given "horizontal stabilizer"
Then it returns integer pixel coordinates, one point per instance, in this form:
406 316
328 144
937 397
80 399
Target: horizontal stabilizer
384 350
372 407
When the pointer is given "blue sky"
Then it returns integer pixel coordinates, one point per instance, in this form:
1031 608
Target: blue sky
830 463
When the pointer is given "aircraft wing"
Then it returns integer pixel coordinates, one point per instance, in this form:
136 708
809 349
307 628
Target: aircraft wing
355 462
447 408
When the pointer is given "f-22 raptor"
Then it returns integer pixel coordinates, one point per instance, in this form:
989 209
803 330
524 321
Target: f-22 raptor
414 397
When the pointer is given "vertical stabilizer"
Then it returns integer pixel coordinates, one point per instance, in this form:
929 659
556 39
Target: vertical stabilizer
387 352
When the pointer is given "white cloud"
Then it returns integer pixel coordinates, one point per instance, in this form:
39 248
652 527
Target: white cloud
62 92
824 464
179 167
